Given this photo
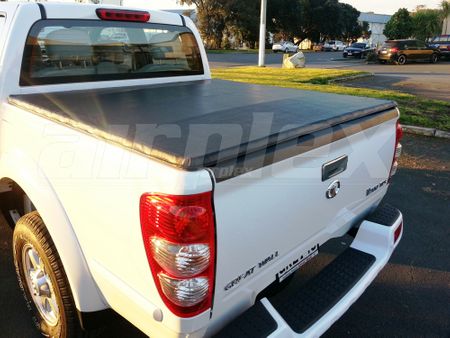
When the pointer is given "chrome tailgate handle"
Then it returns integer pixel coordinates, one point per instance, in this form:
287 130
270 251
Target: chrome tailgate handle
334 167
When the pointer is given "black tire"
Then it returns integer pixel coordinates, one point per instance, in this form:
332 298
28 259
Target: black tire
345 55
30 232
402 60
434 58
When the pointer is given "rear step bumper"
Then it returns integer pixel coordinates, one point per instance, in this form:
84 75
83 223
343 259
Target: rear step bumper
314 307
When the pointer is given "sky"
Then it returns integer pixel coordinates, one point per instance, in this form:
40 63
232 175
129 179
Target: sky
377 6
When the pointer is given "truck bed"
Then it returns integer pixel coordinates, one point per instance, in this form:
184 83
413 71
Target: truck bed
249 118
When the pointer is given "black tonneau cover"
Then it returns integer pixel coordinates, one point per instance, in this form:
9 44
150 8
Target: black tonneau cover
194 125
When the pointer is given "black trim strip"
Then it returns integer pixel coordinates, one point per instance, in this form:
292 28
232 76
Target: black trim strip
229 169
183 20
213 183
43 11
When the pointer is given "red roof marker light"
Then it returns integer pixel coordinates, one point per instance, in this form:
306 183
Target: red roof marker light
122 15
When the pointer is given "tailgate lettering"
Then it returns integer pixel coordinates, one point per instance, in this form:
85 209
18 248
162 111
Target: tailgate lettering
250 271
297 263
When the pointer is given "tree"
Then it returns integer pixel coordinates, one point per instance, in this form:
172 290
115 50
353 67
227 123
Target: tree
287 19
328 19
445 8
366 33
348 18
400 26
212 17
243 21
284 18
427 24
321 19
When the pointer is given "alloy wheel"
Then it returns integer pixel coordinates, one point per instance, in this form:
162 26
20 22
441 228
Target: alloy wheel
40 285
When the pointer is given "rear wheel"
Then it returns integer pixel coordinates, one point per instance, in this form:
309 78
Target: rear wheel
401 60
42 279
434 58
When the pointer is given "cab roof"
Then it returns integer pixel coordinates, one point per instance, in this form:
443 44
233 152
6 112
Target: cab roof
60 10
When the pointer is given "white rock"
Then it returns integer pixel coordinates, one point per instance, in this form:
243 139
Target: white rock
295 61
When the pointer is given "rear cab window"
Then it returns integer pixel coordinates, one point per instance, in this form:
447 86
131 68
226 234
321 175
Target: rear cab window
389 45
66 51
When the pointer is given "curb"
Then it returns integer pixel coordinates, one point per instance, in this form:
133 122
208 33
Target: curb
426 131
352 77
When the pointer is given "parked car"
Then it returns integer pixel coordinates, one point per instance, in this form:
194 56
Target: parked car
442 43
334 46
285 47
358 50
318 47
404 51
123 199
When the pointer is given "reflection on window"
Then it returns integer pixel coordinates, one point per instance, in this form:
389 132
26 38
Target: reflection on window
60 51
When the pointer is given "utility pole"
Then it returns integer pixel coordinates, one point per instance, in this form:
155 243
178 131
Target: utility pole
262 34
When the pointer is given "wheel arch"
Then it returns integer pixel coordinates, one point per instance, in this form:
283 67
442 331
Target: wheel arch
17 170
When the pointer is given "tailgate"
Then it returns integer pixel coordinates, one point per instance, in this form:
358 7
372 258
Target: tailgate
272 218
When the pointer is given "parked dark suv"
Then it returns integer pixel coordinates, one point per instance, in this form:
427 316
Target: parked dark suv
403 51
442 43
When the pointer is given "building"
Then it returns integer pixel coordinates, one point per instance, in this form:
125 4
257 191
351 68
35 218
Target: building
377 23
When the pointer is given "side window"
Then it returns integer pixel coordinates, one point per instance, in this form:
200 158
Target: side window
421 45
411 45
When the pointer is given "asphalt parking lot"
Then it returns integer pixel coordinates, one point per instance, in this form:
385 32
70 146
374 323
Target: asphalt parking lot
410 297
428 80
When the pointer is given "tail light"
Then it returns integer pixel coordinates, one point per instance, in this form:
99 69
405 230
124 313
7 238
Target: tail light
122 15
394 50
398 232
179 239
398 149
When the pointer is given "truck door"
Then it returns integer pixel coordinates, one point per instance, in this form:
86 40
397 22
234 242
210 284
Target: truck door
410 50
424 51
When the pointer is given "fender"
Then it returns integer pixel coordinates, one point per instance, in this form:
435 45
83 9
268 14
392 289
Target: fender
19 167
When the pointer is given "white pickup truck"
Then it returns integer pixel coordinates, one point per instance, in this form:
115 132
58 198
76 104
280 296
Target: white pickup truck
137 185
